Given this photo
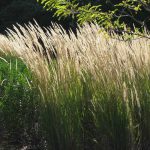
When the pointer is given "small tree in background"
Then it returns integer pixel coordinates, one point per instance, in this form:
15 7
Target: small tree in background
107 13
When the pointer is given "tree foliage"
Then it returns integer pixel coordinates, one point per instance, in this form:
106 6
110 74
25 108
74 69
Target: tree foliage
107 13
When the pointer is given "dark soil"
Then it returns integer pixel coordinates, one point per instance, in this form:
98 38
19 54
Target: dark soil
8 143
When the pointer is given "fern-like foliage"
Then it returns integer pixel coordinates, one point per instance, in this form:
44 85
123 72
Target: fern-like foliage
107 13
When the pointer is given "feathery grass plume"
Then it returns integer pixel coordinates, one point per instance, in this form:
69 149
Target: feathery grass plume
5 46
96 90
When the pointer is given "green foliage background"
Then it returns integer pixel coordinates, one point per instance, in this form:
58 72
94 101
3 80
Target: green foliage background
107 13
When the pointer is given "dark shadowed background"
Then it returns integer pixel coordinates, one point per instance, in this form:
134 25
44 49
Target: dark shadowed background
23 11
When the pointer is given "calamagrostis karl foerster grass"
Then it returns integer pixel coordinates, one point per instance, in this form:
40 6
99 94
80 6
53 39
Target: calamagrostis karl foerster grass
109 61
90 50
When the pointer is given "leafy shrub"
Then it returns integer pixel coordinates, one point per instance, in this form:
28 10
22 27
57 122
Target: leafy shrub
19 102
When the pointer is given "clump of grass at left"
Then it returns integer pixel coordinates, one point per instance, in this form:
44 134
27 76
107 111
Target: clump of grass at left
18 104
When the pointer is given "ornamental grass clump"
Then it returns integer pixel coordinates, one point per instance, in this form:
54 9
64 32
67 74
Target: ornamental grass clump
94 92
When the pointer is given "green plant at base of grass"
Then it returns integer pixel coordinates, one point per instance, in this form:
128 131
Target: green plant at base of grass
19 101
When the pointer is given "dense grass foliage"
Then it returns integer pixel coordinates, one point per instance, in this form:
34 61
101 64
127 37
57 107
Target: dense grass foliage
93 95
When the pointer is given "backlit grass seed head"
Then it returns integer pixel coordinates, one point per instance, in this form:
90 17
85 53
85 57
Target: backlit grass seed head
89 51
